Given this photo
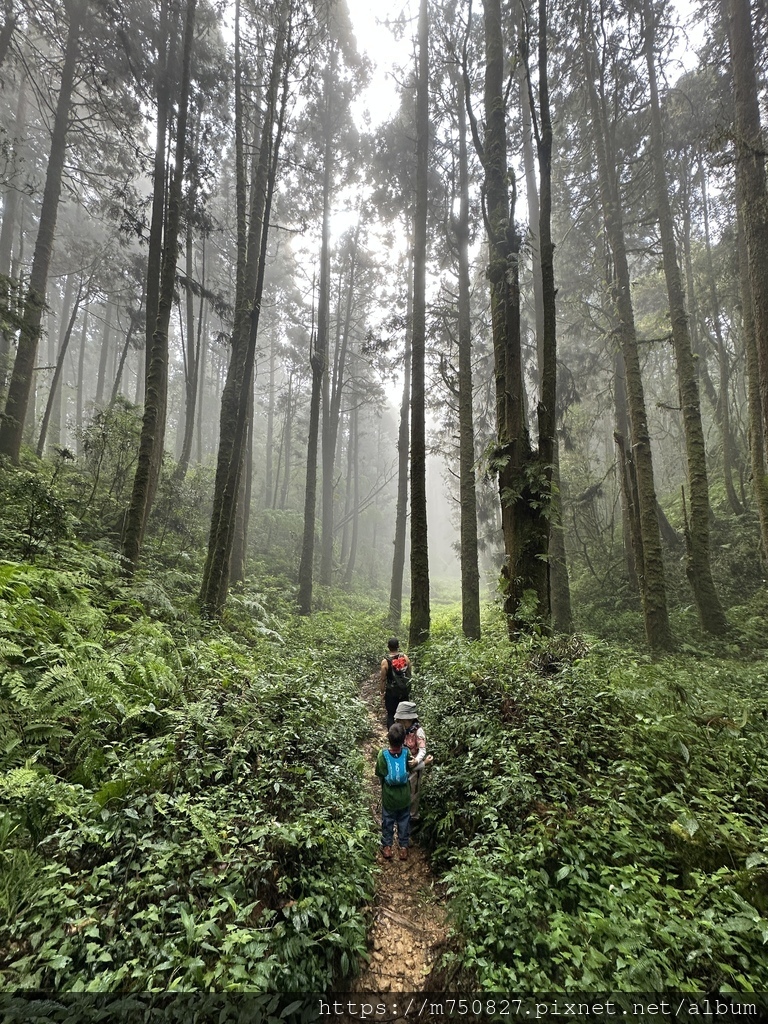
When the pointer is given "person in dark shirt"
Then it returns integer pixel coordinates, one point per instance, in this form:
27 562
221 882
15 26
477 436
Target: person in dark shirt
394 678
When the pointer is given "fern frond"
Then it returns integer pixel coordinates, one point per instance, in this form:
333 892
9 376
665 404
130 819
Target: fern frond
9 649
18 782
16 690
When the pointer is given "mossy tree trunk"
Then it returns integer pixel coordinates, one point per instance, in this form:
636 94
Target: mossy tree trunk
152 439
523 477
544 306
560 609
252 234
752 200
649 560
756 436
698 569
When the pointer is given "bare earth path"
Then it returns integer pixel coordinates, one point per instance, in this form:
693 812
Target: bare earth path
408 918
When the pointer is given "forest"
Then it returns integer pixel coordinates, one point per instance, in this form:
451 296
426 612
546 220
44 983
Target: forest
304 345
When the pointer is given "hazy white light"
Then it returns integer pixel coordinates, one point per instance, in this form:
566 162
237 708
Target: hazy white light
388 55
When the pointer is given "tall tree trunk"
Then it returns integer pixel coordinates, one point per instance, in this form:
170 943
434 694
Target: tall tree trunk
287 444
70 304
420 606
252 249
532 198
722 406
106 340
11 208
560 587
327 457
752 203
134 320
202 339
354 444
699 336
547 407
306 566
270 484
698 567
55 382
750 176
163 101
6 32
318 360
401 507
141 374
192 348
331 426
756 436
240 539
560 594
347 488
523 482
632 537
156 392
80 399
470 572
20 387
192 376
649 561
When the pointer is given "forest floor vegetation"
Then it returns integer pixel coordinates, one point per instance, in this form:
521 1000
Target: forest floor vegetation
599 819
181 800
183 806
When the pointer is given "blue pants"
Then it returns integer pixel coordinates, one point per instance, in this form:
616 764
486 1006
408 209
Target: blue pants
403 821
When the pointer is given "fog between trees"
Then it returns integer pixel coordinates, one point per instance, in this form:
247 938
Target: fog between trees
563 226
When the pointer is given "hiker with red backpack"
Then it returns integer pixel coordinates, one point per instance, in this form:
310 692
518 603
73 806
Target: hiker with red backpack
392 765
394 678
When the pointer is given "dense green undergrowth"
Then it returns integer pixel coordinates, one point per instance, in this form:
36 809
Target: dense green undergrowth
602 820
180 803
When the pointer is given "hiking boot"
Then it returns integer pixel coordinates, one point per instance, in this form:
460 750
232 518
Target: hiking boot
403 853
386 852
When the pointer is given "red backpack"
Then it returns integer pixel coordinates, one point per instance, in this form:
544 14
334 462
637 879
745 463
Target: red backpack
398 675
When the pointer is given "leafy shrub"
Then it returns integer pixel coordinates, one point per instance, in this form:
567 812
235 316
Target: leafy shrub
32 515
183 807
100 485
602 819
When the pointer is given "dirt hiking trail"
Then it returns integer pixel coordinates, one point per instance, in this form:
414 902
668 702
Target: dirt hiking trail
409 924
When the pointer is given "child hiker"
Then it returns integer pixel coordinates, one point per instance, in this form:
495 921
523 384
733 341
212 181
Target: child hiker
392 769
415 741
